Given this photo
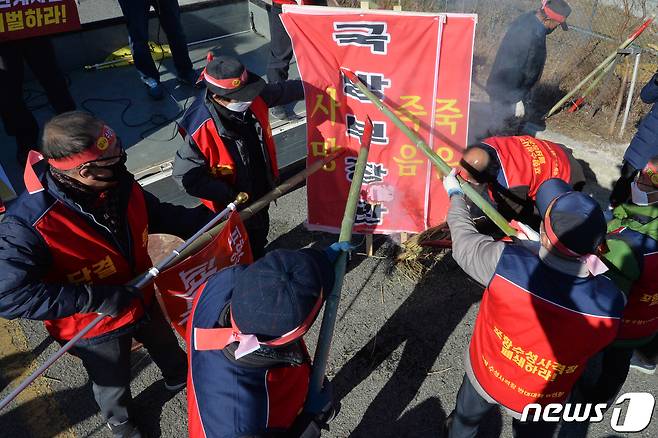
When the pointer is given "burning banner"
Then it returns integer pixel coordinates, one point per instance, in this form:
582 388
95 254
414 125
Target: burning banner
420 66
179 284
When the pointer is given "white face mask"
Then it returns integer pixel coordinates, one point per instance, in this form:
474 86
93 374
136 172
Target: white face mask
238 107
639 197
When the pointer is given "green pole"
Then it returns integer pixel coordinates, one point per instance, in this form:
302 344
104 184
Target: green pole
443 167
314 402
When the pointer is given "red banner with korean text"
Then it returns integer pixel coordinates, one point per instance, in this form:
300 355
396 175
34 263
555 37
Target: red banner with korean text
20 19
399 56
179 284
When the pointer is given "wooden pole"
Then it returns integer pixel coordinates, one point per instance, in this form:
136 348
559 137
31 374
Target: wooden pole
620 96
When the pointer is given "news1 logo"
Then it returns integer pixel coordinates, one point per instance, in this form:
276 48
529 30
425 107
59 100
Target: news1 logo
637 418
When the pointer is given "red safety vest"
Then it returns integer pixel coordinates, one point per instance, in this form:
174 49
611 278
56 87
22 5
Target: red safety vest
528 161
221 163
523 348
80 254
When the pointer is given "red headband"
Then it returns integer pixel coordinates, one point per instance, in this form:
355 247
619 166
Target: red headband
226 84
105 139
552 237
219 338
550 13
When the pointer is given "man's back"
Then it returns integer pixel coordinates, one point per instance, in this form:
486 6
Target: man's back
520 60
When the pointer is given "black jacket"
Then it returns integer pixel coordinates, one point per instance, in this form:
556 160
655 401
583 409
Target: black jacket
191 170
520 60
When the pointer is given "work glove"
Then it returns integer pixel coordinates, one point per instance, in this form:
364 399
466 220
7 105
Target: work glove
335 249
519 109
451 185
107 299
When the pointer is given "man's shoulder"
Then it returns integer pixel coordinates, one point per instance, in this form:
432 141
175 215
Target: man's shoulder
28 208
196 115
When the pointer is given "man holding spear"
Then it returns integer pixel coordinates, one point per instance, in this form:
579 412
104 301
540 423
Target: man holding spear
72 241
538 294
513 168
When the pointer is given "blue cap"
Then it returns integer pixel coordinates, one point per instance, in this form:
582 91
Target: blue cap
575 220
277 293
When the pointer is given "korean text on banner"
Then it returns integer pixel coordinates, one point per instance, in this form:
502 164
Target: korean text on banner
179 284
20 19
400 57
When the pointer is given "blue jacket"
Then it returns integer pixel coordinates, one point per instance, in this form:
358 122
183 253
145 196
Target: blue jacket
227 399
25 258
645 143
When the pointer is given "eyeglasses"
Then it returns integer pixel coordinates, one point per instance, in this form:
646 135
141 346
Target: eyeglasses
108 161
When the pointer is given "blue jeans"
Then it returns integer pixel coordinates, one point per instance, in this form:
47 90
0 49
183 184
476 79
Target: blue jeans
136 14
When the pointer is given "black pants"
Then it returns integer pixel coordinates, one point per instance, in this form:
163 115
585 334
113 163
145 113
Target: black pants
108 364
600 382
471 408
258 227
280 45
39 55
136 13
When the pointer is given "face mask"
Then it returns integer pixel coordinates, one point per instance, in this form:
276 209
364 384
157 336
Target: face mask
238 107
639 196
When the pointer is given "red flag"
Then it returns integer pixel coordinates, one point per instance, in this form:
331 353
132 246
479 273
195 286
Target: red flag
23 19
179 284
402 58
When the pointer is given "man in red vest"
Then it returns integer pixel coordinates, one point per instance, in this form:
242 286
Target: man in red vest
543 313
70 243
633 259
513 168
228 140
249 366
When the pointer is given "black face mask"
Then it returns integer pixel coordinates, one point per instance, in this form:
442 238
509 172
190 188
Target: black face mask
118 169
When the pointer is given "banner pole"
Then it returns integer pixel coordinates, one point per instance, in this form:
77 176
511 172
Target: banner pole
314 400
443 167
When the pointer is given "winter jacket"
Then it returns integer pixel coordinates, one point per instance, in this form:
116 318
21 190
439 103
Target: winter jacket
520 60
644 145
41 229
231 399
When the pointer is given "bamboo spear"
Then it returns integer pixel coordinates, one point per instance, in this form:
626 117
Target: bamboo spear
600 67
314 401
443 167
591 86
